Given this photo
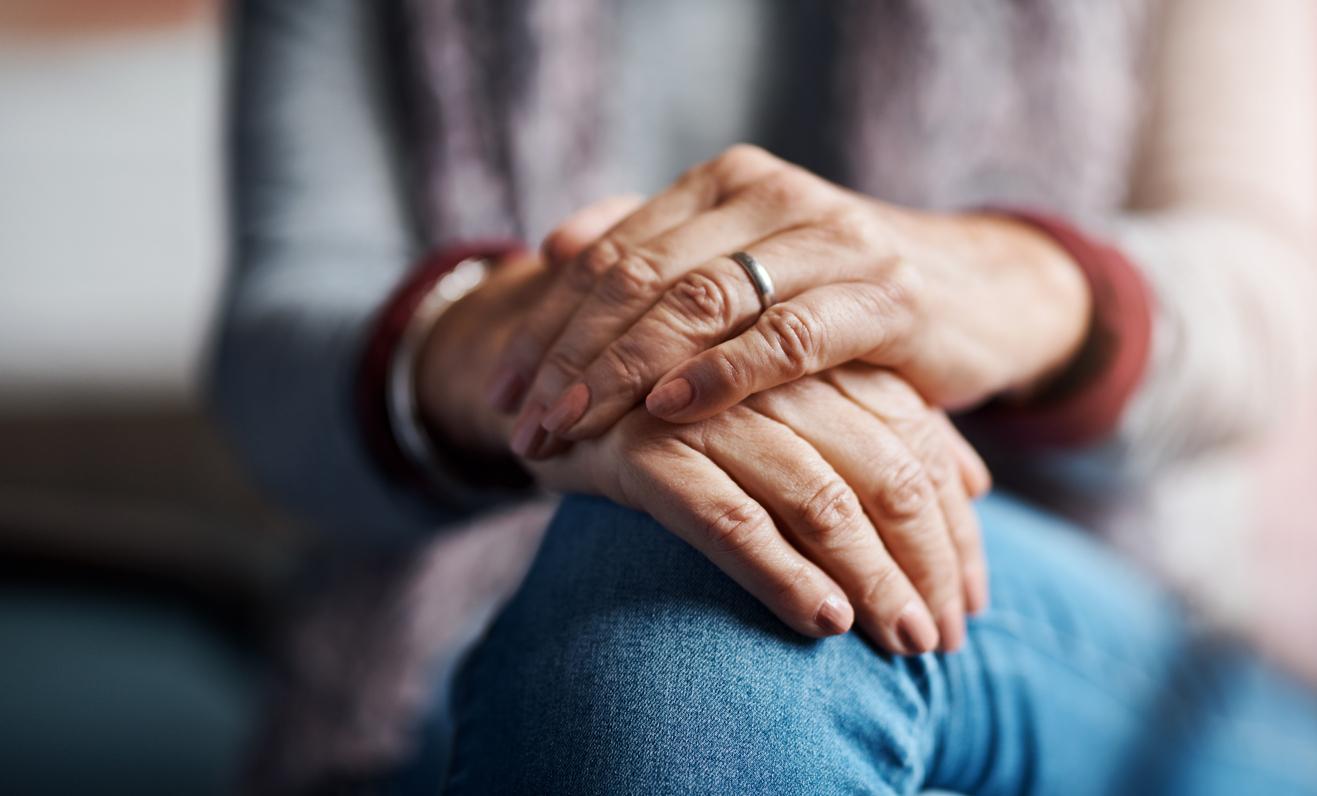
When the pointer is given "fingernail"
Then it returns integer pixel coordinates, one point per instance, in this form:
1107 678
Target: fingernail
670 398
951 627
505 389
915 627
568 409
976 589
527 433
834 616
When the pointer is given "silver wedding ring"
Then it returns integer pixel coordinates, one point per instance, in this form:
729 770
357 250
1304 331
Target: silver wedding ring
759 277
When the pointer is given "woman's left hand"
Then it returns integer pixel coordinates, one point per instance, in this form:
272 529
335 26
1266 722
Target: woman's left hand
964 306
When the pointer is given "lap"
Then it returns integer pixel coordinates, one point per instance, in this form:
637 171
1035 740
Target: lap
628 663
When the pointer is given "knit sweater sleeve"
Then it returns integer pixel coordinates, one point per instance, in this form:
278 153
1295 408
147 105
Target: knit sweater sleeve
1219 226
1221 223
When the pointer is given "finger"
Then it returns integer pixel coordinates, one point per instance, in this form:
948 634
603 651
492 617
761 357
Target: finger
976 475
695 499
545 318
827 521
586 225
967 536
952 464
698 189
701 309
644 271
896 494
817 330
893 401
970 481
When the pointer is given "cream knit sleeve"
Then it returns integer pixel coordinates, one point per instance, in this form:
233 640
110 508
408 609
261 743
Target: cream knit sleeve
1221 223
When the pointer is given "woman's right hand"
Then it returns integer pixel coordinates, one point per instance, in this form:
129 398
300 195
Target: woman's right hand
840 498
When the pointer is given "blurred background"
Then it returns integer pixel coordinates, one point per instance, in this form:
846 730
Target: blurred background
139 569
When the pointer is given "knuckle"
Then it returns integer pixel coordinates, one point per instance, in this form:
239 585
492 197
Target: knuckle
737 159
926 438
938 464
855 227
791 585
781 189
905 283
793 335
729 373
563 359
905 491
901 290
830 514
899 399
702 300
585 272
880 583
622 364
736 528
633 277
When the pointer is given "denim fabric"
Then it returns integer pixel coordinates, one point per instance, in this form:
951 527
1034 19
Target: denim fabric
628 664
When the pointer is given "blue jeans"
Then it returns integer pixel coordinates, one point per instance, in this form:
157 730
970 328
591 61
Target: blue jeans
629 664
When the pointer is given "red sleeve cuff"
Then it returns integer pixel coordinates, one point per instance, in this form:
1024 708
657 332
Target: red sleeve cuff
1088 400
384 335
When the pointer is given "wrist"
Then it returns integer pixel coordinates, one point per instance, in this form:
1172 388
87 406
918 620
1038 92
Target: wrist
1002 307
458 354
386 392
1057 309
1084 400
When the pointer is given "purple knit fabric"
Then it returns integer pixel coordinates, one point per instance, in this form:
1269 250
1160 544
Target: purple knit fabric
1030 102
509 97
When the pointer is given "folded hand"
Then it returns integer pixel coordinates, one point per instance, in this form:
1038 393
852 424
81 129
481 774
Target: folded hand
655 311
836 498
